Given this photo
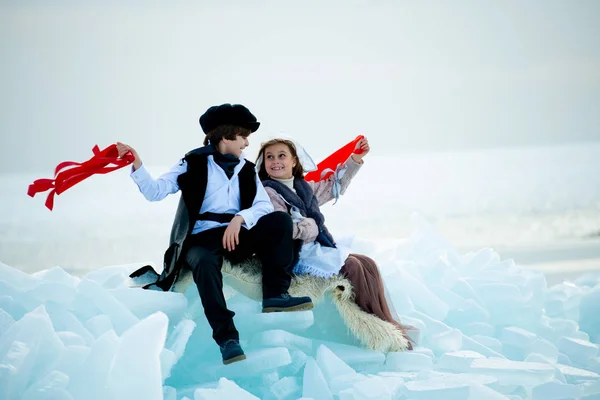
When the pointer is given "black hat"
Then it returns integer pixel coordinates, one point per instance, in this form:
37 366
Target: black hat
228 114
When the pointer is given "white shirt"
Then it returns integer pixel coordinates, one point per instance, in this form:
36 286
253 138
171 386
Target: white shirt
222 194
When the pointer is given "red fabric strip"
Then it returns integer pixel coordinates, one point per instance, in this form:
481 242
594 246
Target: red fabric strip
69 173
332 162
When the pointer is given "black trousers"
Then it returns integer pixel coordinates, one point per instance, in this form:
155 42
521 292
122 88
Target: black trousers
270 239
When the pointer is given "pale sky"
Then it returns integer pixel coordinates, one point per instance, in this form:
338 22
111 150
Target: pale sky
412 76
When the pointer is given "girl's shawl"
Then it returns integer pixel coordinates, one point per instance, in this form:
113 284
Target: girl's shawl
306 201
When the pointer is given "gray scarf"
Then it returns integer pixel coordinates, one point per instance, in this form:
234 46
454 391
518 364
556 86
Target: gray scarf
306 201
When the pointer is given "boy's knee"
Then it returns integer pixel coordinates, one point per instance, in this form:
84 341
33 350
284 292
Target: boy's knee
281 220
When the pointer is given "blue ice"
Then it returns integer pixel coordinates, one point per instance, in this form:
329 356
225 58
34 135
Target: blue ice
487 328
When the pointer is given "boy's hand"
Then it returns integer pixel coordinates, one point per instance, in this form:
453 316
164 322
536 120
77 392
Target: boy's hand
363 145
231 237
123 149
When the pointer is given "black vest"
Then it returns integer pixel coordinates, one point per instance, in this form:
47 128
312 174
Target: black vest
193 184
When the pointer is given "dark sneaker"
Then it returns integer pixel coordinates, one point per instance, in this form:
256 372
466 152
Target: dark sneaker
285 302
232 351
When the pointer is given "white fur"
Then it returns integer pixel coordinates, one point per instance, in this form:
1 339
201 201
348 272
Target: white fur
373 332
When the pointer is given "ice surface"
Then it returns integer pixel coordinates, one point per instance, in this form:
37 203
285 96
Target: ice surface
315 386
341 383
298 360
286 388
489 342
6 321
278 337
120 316
52 291
484 392
99 325
335 371
415 334
544 348
467 312
143 303
355 357
578 351
17 278
72 358
458 360
487 329
591 389
408 361
178 338
70 338
589 317
257 361
372 388
442 342
573 374
29 350
331 365
102 275
64 320
56 274
17 298
438 388
517 337
516 342
555 390
514 372
293 322
470 344
421 297
169 393
478 328
90 381
52 386
226 390
140 345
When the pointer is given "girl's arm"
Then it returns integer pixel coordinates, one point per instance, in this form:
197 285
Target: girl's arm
323 190
305 229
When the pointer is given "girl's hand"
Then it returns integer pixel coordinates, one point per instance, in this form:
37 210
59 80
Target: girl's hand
231 237
363 145
124 148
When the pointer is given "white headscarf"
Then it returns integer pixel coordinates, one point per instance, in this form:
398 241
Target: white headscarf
305 159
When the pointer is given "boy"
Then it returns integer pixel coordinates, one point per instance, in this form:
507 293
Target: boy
224 211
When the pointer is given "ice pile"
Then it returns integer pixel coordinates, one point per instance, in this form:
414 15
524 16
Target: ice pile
488 330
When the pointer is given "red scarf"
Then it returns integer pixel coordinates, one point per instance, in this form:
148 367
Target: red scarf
330 164
65 177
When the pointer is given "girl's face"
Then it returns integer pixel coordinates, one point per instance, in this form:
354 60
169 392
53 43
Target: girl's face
279 162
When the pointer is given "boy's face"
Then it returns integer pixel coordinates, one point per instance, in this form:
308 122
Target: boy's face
236 146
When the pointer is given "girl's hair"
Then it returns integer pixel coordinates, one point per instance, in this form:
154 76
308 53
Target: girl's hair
228 132
297 171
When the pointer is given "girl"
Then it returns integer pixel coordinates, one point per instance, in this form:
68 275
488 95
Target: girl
282 175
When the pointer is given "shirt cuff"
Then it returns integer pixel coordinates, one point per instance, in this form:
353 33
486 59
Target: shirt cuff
139 175
249 219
